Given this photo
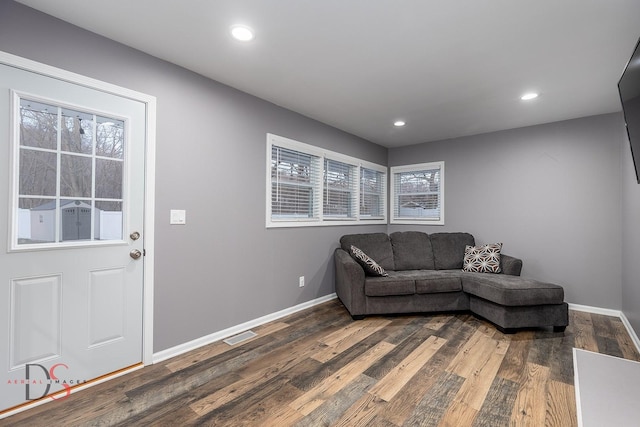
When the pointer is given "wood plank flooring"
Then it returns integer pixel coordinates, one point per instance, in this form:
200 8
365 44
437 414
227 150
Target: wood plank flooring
320 368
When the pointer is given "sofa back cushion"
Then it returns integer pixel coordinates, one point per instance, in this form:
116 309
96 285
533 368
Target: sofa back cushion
376 245
412 250
448 249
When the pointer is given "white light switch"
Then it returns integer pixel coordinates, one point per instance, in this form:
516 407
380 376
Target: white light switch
178 217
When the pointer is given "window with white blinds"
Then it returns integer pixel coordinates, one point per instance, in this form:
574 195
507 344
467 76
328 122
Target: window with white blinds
294 177
373 189
417 194
308 186
340 190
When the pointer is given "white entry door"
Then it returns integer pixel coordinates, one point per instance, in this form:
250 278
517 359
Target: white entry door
71 274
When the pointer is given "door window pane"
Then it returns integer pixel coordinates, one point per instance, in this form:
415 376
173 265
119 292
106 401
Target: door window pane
36 221
108 179
38 125
37 173
77 132
75 176
110 138
108 221
75 219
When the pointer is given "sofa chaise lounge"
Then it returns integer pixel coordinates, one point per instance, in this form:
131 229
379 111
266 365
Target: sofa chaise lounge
424 273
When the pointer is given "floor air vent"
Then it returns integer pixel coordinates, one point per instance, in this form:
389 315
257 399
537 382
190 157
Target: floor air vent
240 337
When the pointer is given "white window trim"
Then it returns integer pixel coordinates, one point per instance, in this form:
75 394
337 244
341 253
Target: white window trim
291 144
417 167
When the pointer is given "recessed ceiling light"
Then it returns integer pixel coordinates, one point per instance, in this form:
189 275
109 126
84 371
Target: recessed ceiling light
529 96
399 123
242 33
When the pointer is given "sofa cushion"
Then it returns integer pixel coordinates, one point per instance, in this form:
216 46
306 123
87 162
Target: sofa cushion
524 316
375 245
370 266
511 290
482 259
396 283
433 282
448 249
412 250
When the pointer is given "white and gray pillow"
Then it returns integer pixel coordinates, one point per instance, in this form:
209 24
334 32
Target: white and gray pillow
370 266
482 259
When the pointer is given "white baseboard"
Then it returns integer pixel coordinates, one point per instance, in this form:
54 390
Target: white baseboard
609 312
226 333
632 333
595 310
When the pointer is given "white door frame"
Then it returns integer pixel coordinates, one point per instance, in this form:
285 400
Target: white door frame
149 190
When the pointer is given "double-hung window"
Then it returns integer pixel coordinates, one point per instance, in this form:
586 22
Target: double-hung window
373 189
294 178
309 186
417 194
340 190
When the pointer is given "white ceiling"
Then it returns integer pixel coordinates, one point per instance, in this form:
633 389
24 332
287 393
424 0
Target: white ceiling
447 67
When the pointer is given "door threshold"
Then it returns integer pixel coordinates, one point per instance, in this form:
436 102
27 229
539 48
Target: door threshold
63 394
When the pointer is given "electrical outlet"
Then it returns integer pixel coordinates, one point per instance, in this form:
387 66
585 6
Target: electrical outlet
301 281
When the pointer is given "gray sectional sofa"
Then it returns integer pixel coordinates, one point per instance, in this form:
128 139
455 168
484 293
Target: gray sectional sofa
425 275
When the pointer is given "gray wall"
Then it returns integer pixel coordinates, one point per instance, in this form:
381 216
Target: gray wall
550 193
630 237
222 268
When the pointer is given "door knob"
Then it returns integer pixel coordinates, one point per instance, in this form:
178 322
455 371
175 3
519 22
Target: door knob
135 235
135 254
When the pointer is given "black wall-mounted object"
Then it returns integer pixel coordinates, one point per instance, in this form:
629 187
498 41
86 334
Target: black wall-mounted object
629 89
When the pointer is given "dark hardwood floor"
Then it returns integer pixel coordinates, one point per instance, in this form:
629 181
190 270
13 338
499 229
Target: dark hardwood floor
320 368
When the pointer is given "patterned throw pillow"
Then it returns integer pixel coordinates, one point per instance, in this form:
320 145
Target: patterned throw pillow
370 266
482 259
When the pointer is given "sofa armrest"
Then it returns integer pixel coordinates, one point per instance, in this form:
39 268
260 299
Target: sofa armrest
349 282
510 265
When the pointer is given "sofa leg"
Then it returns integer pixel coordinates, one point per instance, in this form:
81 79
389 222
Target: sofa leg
357 316
507 331
559 328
